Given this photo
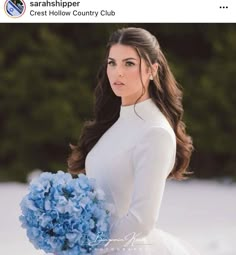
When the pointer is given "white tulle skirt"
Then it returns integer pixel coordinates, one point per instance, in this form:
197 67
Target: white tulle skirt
158 242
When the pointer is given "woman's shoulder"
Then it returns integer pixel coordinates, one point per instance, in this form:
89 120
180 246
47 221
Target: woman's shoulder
157 125
156 129
156 119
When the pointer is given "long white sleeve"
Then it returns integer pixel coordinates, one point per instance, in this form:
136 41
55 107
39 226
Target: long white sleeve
153 158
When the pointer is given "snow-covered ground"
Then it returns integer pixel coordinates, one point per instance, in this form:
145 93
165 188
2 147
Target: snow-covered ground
201 212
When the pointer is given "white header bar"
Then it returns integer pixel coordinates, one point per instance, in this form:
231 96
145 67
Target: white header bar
105 11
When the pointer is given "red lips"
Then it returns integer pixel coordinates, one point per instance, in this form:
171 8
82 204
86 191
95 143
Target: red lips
118 83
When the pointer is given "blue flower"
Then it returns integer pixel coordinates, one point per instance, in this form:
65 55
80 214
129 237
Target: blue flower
65 215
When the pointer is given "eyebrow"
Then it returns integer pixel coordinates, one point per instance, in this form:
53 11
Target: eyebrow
124 59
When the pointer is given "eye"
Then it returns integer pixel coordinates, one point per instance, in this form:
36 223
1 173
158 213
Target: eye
129 63
111 63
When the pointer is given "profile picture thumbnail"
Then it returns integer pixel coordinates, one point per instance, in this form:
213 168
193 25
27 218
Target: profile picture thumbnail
15 8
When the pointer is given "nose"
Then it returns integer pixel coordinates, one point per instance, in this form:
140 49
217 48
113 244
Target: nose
120 71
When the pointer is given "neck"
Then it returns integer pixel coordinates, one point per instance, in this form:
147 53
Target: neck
127 102
142 108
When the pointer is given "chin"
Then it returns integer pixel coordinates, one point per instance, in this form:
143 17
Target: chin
117 93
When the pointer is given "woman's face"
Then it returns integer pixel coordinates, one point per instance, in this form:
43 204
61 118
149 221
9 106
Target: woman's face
124 75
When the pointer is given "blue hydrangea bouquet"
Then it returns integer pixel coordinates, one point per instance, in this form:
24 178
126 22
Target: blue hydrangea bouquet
65 215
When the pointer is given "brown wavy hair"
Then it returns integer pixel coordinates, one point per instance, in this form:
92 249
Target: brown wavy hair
163 89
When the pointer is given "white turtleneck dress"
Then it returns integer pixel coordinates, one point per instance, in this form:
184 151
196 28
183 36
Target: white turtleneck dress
131 162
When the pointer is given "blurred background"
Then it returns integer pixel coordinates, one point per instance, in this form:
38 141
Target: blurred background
47 77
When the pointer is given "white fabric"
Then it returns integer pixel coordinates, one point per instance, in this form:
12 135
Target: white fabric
131 162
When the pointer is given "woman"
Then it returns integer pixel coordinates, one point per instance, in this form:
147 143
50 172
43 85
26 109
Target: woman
136 141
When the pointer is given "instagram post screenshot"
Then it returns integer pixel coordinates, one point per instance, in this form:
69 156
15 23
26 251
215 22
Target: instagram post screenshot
117 127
